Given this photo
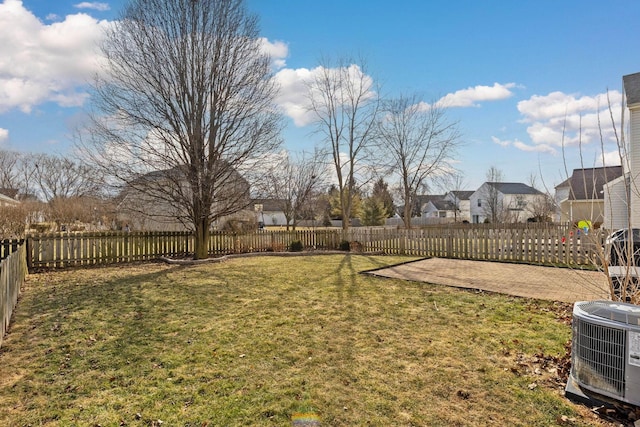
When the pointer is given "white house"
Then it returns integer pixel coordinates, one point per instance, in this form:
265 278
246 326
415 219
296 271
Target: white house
504 202
462 204
622 196
438 208
269 211
581 196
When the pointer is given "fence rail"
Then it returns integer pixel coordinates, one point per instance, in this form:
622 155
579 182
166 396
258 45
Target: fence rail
13 269
79 249
521 243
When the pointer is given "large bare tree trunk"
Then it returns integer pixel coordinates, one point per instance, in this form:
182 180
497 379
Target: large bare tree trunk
201 241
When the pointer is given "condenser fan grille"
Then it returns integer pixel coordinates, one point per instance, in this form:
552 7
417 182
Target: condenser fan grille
599 356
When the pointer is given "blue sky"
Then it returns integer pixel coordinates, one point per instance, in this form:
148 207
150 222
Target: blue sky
514 73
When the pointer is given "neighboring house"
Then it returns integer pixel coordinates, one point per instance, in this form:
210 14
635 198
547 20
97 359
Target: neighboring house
420 201
269 211
616 203
561 193
146 202
438 207
461 203
581 196
503 202
452 205
622 195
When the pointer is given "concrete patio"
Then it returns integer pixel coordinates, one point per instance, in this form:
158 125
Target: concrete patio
548 283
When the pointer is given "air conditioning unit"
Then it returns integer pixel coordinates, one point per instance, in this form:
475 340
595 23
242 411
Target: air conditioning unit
605 353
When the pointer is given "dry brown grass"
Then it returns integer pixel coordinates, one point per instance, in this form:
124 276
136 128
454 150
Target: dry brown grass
255 341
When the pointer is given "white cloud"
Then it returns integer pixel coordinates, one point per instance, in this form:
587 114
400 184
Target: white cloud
540 148
293 94
502 143
558 104
294 89
471 96
610 158
45 63
278 51
558 118
4 135
102 7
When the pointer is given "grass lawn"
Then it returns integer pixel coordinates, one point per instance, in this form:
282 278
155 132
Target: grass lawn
263 341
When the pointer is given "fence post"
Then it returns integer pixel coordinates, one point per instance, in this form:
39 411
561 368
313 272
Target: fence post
28 255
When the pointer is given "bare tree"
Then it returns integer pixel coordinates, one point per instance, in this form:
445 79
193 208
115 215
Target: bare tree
456 184
492 203
294 181
12 221
8 169
17 171
185 102
420 140
59 178
66 186
543 207
344 102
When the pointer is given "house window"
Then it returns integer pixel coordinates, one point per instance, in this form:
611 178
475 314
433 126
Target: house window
521 203
476 219
442 214
479 203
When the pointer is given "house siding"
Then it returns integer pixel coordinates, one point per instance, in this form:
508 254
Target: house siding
514 207
634 162
615 204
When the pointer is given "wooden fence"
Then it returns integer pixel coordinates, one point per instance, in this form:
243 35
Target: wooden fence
13 269
52 250
536 244
8 246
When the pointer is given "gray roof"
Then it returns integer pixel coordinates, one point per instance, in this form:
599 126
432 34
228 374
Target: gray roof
421 199
443 205
462 195
565 183
632 88
513 188
586 184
